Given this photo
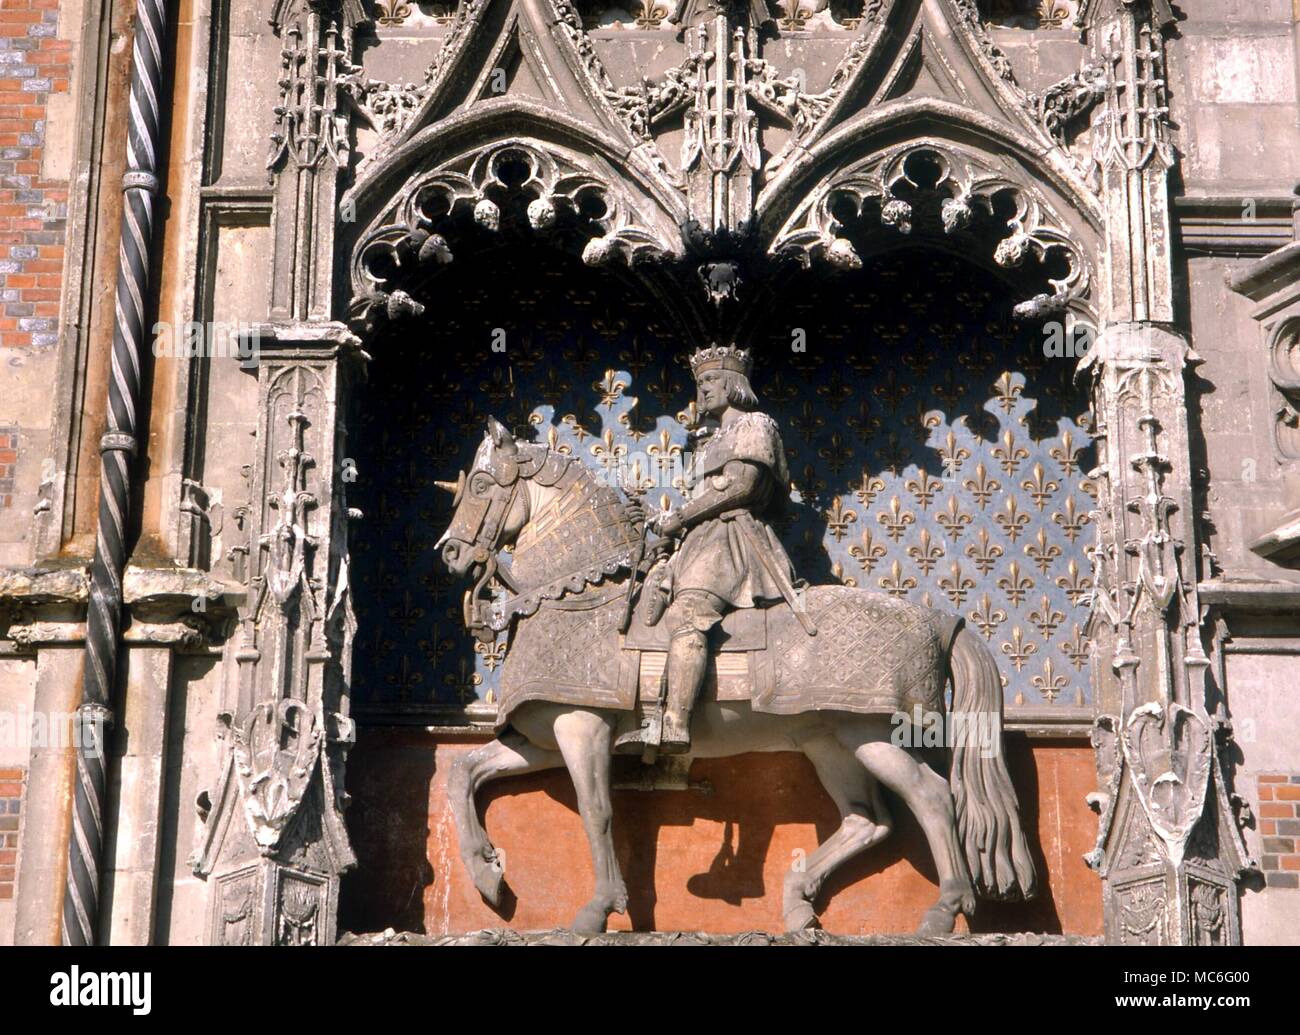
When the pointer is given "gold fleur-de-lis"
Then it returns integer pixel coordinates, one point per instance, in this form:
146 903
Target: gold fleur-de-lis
435 646
551 386
1017 649
493 654
637 482
637 358
1076 649
896 583
923 487
808 484
1071 519
869 487
808 420
609 452
869 552
926 553
891 390
1009 453
1011 519
463 681
838 519
1076 584
837 570
553 441
1041 552
689 418
666 454
777 390
950 389
956 585
1046 618
984 553
1007 391
610 389
1039 487
499 387
665 388
953 519
982 487
407 614
986 617
1014 584
892 453
864 423
405 680
837 454
896 520
952 455
834 390
575 427
1049 684
1066 455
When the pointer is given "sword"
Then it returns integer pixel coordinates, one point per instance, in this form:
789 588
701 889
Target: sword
746 522
626 620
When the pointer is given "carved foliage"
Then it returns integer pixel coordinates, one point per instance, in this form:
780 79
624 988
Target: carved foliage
946 193
512 187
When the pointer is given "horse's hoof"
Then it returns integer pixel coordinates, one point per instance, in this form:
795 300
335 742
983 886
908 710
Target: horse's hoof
591 919
489 879
937 920
801 918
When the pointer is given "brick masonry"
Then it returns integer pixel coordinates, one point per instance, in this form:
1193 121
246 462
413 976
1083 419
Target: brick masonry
11 797
33 65
8 463
1279 828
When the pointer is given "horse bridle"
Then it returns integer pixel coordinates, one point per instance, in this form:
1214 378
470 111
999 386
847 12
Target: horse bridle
477 522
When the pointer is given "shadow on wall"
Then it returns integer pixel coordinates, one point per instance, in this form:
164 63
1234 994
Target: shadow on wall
692 860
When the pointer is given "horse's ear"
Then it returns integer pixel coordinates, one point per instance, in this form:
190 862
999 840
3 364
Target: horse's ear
501 437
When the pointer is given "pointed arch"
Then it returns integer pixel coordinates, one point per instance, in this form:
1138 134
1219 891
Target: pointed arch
991 187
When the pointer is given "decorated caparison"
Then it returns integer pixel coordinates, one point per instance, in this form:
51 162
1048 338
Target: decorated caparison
678 471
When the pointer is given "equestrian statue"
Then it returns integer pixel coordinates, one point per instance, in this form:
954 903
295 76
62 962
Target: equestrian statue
705 643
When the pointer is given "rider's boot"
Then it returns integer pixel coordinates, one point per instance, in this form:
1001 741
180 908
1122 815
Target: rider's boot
688 659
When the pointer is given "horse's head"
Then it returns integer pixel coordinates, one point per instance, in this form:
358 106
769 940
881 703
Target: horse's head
491 505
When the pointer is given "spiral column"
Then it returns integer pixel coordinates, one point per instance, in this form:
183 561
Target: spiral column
117 450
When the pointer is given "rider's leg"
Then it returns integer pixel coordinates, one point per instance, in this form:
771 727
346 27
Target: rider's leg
690 618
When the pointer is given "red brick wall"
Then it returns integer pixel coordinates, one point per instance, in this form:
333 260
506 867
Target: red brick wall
1279 828
8 461
11 796
691 861
33 65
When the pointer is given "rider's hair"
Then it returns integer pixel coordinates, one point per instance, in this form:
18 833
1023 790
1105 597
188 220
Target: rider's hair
739 393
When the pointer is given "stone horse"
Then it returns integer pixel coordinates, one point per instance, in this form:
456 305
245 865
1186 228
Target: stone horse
571 682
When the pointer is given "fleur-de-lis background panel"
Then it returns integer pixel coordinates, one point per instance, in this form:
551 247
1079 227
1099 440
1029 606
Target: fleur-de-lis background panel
935 454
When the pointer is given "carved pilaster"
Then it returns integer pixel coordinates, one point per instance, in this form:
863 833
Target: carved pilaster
309 147
274 844
720 152
1168 850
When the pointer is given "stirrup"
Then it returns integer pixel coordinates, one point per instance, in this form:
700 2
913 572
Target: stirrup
640 740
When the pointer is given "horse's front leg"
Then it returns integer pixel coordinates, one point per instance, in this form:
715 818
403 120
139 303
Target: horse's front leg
586 739
510 755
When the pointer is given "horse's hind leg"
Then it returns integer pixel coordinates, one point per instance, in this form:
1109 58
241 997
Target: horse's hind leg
865 823
927 794
586 739
510 755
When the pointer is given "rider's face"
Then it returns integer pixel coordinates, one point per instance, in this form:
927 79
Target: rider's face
712 393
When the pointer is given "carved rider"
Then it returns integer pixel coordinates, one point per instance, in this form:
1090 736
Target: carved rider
729 557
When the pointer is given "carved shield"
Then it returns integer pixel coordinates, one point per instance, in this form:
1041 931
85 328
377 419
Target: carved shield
1168 748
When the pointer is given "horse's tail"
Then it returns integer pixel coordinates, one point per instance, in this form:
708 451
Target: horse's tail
988 818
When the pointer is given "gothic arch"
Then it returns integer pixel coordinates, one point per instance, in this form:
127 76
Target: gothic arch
992 194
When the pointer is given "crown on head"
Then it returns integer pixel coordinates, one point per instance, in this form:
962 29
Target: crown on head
721 357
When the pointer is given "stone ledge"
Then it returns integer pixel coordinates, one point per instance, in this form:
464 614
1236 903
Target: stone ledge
501 936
